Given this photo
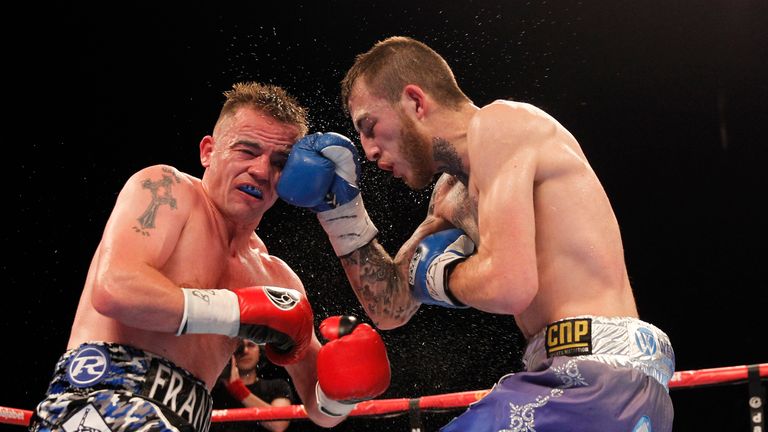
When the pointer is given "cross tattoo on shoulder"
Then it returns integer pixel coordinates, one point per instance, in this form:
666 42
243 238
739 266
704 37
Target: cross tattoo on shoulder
147 219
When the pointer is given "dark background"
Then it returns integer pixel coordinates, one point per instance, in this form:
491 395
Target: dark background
668 99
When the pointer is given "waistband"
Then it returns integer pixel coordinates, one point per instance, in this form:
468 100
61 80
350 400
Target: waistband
617 341
95 366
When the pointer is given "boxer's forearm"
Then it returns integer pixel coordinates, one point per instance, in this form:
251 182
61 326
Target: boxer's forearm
277 425
482 283
380 285
304 377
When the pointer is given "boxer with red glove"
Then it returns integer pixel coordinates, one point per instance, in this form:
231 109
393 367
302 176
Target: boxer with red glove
352 367
279 317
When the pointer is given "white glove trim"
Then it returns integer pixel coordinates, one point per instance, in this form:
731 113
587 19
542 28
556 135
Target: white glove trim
344 161
348 226
330 407
210 311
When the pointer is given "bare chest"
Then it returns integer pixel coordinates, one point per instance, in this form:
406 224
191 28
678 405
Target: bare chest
210 265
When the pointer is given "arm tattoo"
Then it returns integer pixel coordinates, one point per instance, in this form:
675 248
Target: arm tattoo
172 172
147 219
382 291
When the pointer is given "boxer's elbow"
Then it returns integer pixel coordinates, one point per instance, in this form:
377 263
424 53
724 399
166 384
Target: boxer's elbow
390 311
106 296
388 316
512 294
388 323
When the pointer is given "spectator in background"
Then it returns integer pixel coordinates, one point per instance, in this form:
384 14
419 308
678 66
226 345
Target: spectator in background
241 386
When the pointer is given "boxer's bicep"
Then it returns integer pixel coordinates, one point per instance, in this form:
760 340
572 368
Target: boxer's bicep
148 218
505 206
504 150
140 236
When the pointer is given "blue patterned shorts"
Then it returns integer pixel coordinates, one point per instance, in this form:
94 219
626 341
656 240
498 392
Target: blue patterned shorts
110 387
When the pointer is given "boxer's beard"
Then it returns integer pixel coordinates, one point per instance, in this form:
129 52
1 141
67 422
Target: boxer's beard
415 150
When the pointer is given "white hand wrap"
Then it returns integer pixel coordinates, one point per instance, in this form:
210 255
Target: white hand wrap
330 407
348 226
210 311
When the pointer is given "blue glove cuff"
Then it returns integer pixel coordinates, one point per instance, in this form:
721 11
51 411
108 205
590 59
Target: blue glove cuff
348 226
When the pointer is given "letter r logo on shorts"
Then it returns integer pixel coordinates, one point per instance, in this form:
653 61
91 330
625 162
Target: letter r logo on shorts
88 366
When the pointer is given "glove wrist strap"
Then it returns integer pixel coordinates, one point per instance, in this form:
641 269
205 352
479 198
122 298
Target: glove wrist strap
438 275
348 226
452 298
330 407
210 311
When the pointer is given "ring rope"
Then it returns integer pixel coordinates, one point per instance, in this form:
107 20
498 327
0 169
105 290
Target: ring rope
378 407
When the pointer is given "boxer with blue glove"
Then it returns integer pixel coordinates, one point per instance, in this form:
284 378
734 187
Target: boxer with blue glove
431 265
548 247
322 174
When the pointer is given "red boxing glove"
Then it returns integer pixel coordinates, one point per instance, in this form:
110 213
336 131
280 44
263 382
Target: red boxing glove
279 317
352 367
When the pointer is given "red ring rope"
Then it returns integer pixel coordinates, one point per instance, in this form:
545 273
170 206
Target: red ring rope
680 380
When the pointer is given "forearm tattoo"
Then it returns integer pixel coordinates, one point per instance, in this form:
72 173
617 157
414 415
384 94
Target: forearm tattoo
382 291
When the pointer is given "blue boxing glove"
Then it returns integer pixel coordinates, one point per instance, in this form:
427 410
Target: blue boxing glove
435 256
322 174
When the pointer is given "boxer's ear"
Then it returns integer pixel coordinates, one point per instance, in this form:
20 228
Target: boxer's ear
414 101
206 148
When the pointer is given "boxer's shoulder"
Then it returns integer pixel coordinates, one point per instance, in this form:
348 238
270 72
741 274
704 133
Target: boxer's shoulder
274 271
166 184
164 171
